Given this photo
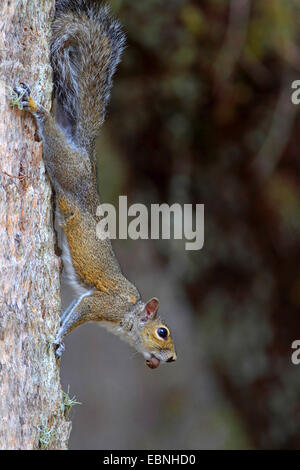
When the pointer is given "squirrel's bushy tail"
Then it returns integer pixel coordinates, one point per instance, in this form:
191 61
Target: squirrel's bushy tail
85 50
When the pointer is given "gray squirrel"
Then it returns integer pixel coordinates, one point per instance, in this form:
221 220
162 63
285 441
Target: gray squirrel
86 47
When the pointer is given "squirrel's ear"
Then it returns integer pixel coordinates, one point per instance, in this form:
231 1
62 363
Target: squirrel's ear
151 308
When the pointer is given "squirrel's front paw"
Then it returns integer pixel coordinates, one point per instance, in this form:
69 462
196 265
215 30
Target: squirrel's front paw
60 347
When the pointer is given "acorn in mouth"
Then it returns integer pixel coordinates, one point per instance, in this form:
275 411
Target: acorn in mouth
153 362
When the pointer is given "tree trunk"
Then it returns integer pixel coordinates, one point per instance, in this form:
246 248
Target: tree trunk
31 399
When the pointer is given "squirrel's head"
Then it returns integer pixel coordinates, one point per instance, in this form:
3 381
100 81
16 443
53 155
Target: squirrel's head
156 341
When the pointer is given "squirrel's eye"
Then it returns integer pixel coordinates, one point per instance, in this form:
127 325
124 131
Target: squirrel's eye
162 332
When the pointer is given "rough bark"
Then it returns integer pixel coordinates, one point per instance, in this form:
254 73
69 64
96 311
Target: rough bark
31 399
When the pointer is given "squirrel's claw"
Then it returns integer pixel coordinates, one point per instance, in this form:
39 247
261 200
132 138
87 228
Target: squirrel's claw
26 88
23 93
58 343
60 347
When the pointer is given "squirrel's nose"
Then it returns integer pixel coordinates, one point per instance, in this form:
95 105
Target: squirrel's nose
171 359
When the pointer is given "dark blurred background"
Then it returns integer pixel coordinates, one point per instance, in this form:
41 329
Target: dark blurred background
201 112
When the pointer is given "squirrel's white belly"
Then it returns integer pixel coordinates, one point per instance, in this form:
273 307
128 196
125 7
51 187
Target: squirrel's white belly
69 274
